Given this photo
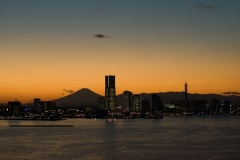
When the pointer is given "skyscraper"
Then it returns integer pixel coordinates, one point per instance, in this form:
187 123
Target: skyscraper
38 106
128 101
101 102
137 106
110 93
156 103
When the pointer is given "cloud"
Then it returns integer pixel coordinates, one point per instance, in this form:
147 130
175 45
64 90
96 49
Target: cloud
231 93
203 6
98 9
100 36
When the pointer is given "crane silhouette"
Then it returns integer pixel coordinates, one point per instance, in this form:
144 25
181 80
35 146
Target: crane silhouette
69 91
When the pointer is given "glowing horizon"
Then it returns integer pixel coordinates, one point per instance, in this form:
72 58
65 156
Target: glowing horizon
155 46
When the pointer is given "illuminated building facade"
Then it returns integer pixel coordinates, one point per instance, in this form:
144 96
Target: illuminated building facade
128 101
49 106
43 106
101 102
226 107
110 93
14 108
137 103
215 106
38 107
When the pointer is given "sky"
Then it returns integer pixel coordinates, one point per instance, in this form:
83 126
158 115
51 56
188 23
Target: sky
149 45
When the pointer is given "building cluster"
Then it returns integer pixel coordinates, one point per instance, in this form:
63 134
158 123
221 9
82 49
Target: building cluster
202 107
132 106
39 108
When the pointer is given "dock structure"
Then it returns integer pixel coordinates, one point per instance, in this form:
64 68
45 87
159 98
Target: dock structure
40 125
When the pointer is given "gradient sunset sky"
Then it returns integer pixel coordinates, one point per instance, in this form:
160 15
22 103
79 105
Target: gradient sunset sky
149 45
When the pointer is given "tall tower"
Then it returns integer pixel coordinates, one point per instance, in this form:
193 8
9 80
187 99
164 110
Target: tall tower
128 101
110 93
186 94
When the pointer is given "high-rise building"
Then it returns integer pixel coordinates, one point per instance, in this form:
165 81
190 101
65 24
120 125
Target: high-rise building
156 103
14 108
137 106
101 102
110 93
146 106
38 106
127 101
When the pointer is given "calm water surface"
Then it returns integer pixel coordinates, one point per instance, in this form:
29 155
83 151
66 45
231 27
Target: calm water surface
167 138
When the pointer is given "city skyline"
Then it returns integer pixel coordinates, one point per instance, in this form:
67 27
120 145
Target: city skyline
156 46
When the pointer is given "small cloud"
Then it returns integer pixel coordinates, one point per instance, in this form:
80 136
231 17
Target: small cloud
203 6
231 93
100 36
98 9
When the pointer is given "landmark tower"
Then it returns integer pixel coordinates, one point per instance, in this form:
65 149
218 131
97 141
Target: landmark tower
110 93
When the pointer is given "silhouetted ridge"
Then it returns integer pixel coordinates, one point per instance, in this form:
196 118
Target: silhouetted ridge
81 97
85 97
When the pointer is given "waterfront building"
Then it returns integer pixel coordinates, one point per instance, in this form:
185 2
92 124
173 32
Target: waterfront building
226 107
127 101
215 106
43 106
14 108
146 106
101 102
157 105
48 106
137 105
199 106
110 93
38 107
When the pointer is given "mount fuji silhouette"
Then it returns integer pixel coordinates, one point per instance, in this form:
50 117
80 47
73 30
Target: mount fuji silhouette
82 97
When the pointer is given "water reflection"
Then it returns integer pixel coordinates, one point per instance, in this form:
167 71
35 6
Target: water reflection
167 138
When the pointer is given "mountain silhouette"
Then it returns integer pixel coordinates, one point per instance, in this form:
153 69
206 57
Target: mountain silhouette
85 96
82 97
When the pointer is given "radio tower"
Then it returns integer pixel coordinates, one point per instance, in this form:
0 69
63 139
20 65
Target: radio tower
186 98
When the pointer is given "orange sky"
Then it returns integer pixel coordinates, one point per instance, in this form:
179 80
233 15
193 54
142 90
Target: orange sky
153 52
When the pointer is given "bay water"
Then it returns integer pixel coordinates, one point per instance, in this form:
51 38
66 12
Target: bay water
193 137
